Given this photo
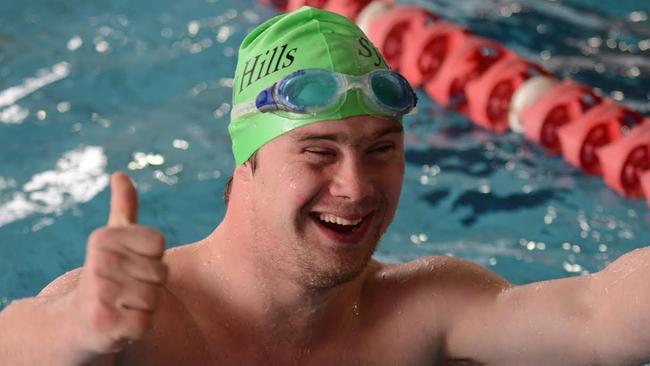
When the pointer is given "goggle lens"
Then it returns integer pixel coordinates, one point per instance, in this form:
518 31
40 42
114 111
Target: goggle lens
390 91
309 91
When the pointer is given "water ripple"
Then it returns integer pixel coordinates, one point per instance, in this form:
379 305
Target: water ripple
78 177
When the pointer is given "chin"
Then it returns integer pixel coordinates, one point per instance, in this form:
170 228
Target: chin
328 261
338 270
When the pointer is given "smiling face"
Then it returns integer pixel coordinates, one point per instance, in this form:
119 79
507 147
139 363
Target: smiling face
323 195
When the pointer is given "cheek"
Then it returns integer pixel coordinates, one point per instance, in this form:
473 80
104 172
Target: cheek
294 185
304 184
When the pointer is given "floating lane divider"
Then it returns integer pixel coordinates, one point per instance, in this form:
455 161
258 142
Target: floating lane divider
501 91
626 162
389 36
560 106
600 126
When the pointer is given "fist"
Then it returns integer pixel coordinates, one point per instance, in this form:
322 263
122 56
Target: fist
123 276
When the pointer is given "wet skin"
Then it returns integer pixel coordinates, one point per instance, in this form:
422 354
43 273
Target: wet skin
287 279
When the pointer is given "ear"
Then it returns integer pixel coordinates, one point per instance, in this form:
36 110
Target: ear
243 172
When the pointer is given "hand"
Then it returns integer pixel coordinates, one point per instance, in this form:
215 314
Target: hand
123 277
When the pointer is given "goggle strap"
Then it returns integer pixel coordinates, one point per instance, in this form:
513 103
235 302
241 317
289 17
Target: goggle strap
263 103
243 110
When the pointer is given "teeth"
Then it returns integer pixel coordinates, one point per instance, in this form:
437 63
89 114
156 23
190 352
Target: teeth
338 220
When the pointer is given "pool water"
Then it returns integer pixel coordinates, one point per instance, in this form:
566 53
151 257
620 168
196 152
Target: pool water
88 88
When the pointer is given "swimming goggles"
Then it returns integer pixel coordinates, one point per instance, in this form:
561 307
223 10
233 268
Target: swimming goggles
310 92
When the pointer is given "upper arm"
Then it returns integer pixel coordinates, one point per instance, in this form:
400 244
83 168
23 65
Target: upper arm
545 323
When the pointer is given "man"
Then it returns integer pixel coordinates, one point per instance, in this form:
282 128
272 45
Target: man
287 277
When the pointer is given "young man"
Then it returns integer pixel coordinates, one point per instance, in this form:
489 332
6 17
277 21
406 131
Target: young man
287 278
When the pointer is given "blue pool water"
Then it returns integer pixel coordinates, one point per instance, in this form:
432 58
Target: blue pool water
87 88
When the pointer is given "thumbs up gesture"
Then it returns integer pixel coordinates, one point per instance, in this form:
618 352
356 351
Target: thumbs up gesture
123 276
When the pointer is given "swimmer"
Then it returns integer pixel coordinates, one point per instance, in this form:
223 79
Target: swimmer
288 278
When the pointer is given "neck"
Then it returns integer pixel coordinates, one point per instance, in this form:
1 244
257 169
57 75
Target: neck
273 299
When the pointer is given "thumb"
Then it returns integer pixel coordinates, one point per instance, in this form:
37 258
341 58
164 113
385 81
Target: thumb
124 201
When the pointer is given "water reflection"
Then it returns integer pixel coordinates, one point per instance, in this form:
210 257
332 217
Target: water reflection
8 97
78 177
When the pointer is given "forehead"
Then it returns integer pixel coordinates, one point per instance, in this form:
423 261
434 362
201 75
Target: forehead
352 129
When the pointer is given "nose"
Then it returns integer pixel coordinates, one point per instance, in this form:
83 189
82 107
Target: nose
352 180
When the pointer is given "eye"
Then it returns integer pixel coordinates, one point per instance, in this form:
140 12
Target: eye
320 152
320 155
383 149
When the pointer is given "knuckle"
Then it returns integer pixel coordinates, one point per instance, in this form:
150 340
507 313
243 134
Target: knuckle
155 240
148 302
157 272
102 237
98 237
139 295
149 297
105 262
142 269
104 290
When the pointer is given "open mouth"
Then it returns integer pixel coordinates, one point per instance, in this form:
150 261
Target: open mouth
340 229
338 224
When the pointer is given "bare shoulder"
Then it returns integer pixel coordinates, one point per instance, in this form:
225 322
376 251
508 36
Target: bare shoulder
423 301
68 281
437 286
439 272
182 262
62 284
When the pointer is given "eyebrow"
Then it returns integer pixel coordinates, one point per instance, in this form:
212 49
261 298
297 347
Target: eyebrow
299 137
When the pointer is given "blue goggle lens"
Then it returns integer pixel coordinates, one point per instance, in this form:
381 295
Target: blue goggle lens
391 91
309 91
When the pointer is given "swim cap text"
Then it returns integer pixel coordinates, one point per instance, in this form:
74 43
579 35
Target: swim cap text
265 65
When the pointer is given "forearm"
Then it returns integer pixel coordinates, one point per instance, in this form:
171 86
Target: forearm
622 322
41 331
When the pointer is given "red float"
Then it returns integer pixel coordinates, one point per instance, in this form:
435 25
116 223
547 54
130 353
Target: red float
600 126
280 5
564 103
388 31
297 4
625 160
489 95
464 64
426 51
347 8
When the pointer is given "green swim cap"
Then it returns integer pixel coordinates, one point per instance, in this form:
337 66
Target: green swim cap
304 39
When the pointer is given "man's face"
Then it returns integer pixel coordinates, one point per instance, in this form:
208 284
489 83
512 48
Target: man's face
323 195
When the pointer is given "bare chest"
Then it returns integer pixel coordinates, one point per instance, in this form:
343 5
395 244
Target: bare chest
386 341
